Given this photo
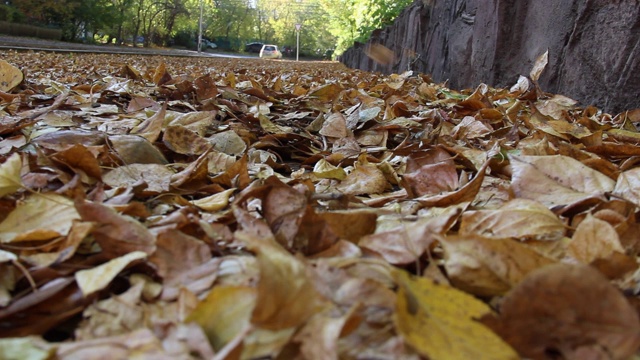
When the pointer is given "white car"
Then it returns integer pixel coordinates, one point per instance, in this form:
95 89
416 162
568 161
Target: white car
270 52
206 44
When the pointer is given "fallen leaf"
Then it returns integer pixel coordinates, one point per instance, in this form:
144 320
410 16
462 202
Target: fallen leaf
225 313
439 322
99 277
364 179
406 242
31 220
214 202
286 296
10 180
594 239
519 218
569 310
31 347
556 180
488 267
539 65
155 177
116 234
10 76
380 54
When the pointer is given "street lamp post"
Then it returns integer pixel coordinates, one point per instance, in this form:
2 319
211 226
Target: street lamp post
200 28
298 26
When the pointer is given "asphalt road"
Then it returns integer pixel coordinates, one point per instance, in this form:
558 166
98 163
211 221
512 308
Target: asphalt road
27 43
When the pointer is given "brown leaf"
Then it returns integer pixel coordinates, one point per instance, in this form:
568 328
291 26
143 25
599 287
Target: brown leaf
570 310
406 242
151 128
156 177
519 218
134 149
32 220
466 193
286 293
116 234
380 54
78 157
594 239
364 179
556 180
161 75
184 141
488 267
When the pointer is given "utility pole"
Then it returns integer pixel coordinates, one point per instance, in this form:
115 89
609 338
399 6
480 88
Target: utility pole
298 26
200 29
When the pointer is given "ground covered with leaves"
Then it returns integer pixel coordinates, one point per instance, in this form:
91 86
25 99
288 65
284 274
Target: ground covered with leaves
187 208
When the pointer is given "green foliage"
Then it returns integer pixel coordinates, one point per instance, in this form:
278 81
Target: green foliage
11 14
355 20
326 24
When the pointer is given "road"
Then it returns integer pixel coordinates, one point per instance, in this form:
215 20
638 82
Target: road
26 43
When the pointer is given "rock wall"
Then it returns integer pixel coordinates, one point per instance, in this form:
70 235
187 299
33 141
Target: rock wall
594 46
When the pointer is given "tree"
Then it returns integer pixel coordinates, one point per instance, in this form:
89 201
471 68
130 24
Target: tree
355 20
47 12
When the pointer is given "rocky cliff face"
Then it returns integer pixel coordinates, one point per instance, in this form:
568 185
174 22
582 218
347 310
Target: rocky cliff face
594 46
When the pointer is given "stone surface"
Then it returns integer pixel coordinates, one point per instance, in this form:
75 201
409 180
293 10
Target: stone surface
594 46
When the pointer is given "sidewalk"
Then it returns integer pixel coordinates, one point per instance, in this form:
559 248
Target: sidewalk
28 43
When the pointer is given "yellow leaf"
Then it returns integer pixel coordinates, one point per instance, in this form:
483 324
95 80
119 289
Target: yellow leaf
272 128
224 313
214 202
10 76
40 217
323 169
439 322
10 180
327 92
99 277
30 347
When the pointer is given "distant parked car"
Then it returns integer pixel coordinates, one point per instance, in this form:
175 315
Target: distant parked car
206 44
270 52
253 47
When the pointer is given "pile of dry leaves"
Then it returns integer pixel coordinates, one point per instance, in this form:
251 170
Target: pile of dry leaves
238 209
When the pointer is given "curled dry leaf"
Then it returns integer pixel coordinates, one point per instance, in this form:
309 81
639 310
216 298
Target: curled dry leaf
98 278
10 180
628 186
286 295
225 313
